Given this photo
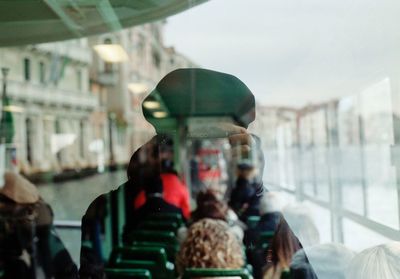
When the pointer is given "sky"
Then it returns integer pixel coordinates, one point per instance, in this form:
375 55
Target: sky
293 52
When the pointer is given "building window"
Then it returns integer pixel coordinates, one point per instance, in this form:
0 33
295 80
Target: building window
27 69
156 59
29 130
79 79
108 67
82 138
42 73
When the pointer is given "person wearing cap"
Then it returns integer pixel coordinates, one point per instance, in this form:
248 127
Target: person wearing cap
244 198
29 244
186 93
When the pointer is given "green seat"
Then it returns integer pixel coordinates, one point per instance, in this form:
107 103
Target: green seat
215 272
170 248
159 225
152 236
153 259
286 274
127 273
252 221
167 217
265 238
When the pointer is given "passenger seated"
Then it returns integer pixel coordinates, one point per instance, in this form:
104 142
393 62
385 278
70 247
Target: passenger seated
210 244
244 199
28 242
174 190
322 261
210 206
155 203
270 211
382 261
283 246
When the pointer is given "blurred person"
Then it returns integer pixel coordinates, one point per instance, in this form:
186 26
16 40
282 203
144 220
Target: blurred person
270 212
174 191
29 245
382 261
245 196
301 222
321 261
283 246
209 205
210 244
155 203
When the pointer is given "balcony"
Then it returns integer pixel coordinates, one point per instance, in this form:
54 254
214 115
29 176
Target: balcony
68 49
107 78
51 95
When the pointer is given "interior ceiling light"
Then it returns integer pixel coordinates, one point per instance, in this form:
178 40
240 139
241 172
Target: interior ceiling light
151 105
137 87
159 114
111 53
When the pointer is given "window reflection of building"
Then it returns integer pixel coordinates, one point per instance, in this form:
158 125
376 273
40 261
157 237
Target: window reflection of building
344 163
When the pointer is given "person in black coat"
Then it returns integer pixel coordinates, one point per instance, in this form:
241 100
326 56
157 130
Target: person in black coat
244 199
270 212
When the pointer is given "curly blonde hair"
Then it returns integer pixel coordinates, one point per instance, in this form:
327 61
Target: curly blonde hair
210 244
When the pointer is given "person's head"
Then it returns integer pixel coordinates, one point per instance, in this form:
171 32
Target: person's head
213 208
382 261
245 170
270 202
301 222
210 244
322 261
206 195
283 246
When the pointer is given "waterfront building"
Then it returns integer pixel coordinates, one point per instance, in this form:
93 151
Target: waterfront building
127 78
73 110
52 105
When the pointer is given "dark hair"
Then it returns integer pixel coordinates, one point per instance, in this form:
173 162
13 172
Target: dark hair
213 209
283 246
209 206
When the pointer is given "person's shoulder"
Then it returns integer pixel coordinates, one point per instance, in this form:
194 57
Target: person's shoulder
98 205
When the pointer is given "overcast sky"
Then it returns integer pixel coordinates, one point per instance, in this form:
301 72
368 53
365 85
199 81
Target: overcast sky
293 52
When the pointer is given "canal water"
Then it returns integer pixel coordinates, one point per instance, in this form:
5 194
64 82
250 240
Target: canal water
69 201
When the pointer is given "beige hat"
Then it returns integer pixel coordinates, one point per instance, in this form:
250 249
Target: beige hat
19 189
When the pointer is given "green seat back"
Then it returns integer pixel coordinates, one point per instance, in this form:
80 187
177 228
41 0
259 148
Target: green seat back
170 248
252 221
159 225
153 259
215 272
152 236
127 273
167 217
265 238
286 274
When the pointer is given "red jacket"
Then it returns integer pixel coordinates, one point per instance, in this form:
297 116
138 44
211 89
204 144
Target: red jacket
174 192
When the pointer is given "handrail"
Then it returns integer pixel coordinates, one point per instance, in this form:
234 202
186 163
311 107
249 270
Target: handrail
68 224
